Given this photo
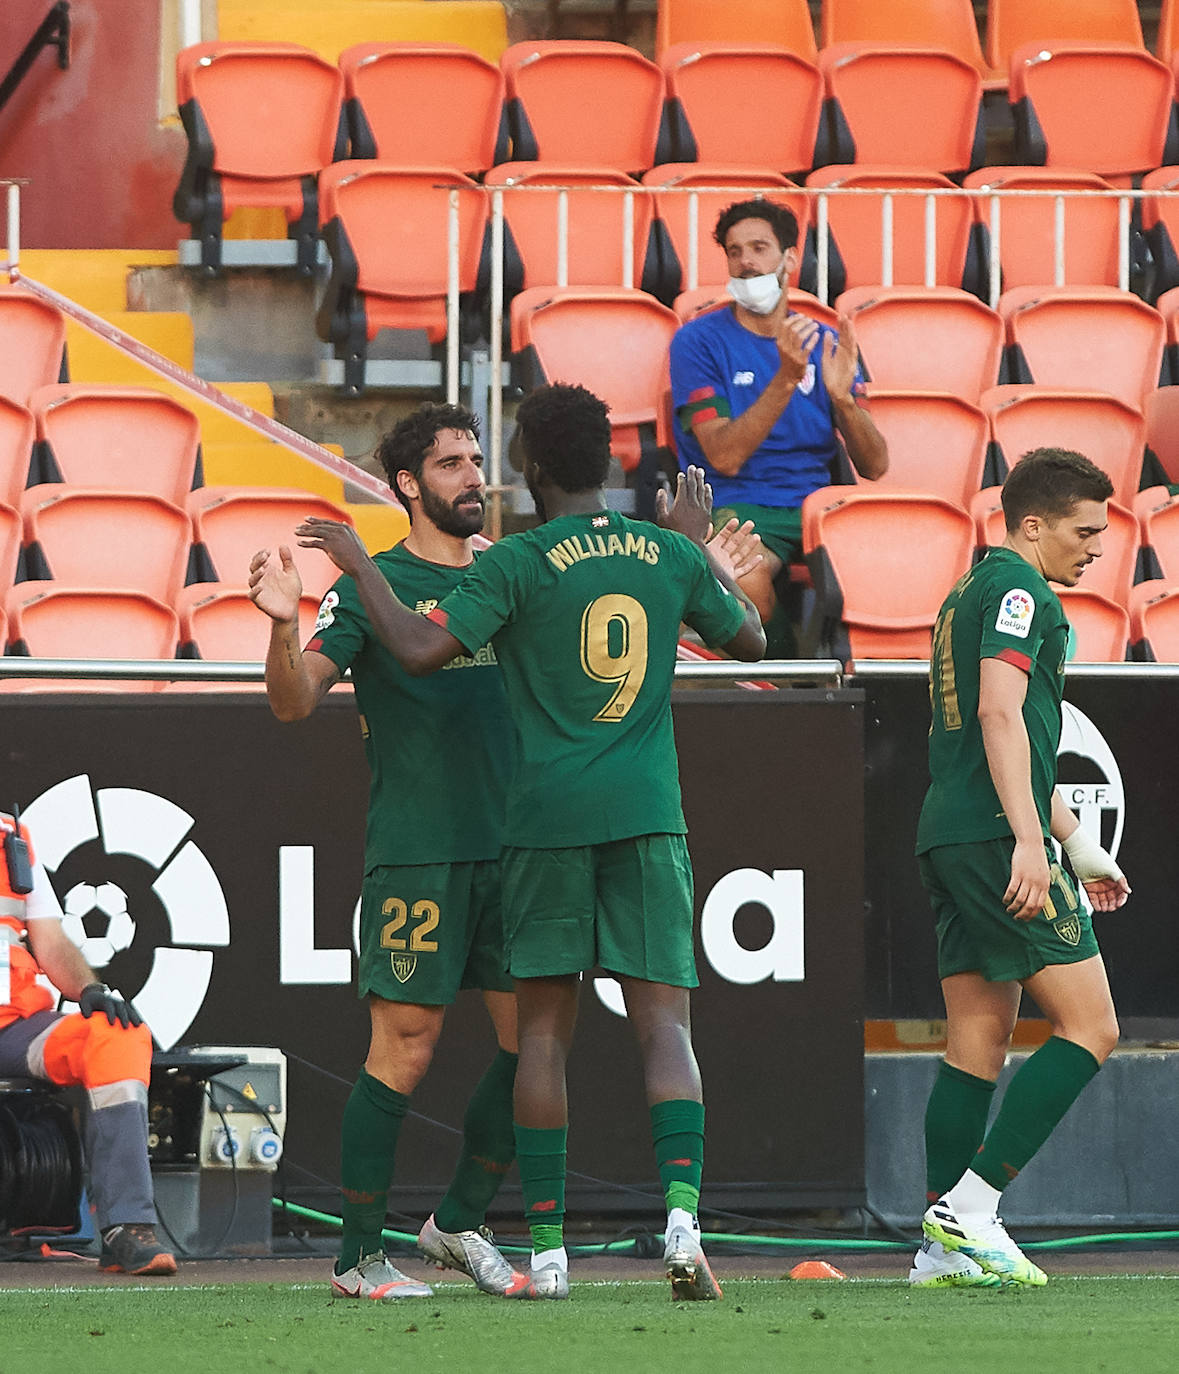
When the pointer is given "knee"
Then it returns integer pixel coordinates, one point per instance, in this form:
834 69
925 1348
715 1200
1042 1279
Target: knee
401 1061
1103 1039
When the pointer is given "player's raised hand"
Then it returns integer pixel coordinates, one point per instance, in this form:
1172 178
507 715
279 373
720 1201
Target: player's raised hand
691 511
736 547
275 584
841 357
339 541
796 338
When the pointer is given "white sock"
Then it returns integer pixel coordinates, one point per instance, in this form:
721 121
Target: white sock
974 1195
560 1257
679 1216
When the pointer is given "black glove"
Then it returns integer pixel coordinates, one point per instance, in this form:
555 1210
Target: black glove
98 997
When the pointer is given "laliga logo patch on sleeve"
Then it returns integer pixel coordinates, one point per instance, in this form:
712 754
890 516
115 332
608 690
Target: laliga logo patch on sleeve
327 608
1015 613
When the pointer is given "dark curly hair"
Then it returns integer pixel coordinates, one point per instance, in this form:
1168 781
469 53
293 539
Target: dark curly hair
1050 482
405 447
780 219
566 432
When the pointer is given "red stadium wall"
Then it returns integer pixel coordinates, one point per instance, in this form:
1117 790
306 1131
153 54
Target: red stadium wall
102 170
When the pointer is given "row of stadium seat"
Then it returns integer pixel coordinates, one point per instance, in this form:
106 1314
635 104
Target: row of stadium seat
878 596
265 120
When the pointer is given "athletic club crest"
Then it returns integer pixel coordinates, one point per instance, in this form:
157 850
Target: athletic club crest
403 966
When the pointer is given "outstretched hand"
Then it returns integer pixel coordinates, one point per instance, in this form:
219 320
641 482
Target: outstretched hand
691 511
275 584
339 541
736 547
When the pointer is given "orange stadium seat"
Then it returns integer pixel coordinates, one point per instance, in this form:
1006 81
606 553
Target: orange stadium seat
945 24
913 107
744 105
594 255
32 344
925 338
127 438
230 525
1101 628
1112 575
17 432
614 342
1168 307
83 537
588 104
1059 123
1160 223
436 104
780 23
262 119
673 233
937 443
1168 30
986 510
222 624
689 304
387 231
885 590
1158 517
1162 429
1084 338
855 234
11 538
1027 238
53 620
1108 431
1012 23
1154 622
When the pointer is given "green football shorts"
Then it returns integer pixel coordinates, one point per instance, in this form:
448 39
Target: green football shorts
780 527
625 907
975 933
427 930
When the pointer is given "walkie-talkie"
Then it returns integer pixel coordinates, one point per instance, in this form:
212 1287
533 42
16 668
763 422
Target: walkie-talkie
16 856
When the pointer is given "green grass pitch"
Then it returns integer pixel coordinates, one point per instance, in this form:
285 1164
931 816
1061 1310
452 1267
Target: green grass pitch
1074 1326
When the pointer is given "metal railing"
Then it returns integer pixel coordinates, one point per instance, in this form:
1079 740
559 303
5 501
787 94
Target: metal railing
52 32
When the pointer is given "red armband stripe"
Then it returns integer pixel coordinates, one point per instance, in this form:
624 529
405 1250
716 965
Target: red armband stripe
439 617
702 393
1016 659
314 645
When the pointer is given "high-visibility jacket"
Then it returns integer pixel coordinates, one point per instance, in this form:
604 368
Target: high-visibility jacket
20 994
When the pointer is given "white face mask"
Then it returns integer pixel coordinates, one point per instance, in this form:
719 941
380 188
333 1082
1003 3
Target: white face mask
758 294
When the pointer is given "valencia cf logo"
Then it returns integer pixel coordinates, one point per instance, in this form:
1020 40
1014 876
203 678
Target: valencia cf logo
403 966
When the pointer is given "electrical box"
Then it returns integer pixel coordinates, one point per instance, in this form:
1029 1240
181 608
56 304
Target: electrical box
245 1110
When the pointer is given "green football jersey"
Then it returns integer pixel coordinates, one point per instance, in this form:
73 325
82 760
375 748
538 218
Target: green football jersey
1003 608
584 613
441 748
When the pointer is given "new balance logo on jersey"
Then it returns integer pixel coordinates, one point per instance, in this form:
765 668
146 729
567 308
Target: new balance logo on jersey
742 378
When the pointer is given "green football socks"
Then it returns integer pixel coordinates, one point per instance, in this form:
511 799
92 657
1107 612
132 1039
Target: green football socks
489 1147
541 1156
677 1129
1038 1096
955 1124
371 1125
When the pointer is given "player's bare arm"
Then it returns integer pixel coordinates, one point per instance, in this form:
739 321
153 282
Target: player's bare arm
1096 869
864 442
296 681
418 644
1002 688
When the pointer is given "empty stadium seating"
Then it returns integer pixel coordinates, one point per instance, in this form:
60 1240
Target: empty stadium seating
912 107
920 338
32 344
1012 23
743 105
17 431
857 256
1084 338
886 591
1154 622
387 231
780 23
937 443
1168 30
587 104
1059 122
262 119
1027 226
433 104
1158 516
1162 428
83 537
223 624
672 227
945 24
1101 628
1108 431
1160 223
10 546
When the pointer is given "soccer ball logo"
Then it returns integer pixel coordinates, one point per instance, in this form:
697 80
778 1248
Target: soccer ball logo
98 922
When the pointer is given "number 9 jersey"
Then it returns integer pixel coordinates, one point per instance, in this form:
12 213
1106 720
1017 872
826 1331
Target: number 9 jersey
584 613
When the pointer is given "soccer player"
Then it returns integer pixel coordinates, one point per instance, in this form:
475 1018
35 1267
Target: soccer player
1008 916
430 913
584 614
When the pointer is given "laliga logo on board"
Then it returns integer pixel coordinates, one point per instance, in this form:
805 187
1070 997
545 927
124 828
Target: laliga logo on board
99 916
